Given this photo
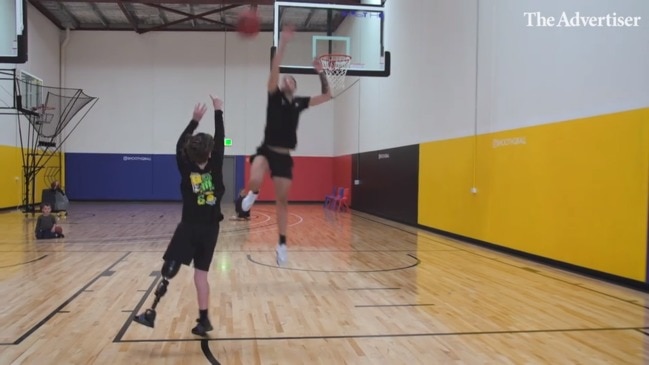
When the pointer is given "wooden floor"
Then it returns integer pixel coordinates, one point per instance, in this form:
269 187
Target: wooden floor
356 290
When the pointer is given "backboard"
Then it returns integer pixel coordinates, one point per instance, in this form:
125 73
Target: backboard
354 30
13 31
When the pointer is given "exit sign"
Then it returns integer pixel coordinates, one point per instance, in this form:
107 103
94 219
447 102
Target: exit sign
227 142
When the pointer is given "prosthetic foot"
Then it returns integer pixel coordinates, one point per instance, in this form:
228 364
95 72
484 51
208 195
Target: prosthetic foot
169 270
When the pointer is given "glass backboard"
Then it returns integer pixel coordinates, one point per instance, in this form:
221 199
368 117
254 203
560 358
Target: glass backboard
13 31
354 30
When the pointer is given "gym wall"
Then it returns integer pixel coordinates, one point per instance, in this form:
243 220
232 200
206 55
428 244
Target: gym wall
147 87
43 62
553 133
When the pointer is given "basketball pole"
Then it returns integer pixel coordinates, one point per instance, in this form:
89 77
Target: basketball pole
329 32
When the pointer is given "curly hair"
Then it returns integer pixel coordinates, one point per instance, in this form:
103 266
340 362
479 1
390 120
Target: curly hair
198 147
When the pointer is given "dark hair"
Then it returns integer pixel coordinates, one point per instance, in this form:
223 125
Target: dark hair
198 147
294 80
46 205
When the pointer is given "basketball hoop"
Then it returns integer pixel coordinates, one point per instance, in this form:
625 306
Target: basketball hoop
335 67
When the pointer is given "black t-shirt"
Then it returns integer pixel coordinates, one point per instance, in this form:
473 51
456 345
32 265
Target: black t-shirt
282 117
202 189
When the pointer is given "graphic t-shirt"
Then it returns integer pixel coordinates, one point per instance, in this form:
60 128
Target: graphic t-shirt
202 189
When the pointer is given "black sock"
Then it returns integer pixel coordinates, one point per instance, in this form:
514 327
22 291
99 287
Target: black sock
202 315
255 192
282 239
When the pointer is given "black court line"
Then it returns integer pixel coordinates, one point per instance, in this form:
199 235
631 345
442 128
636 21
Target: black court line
632 302
392 305
68 301
644 332
338 271
217 251
387 335
24 263
64 311
205 346
129 319
374 289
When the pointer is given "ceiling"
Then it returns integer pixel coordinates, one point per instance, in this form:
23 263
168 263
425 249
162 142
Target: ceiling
144 16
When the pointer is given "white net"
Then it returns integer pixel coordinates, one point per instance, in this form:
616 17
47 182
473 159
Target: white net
335 67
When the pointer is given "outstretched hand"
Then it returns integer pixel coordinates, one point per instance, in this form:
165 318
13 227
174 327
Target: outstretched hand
317 65
288 32
199 111
217 102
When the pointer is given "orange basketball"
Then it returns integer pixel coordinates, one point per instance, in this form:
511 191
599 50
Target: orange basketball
248 24
58 229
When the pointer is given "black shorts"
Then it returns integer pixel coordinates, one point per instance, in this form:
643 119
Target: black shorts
281 165
193 242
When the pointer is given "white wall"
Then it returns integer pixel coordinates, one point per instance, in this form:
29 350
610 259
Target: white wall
42 62
536 75
525 75
148 85
431 91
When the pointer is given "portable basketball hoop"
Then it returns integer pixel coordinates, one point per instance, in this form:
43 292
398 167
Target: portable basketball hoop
335 67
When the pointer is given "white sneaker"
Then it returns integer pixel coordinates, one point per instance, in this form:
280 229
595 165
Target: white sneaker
248 201
282 254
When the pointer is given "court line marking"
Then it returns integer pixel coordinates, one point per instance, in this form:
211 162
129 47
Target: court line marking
496 259
24 263
643 332
127 239
337 271
157 276
387 335
393 305
68 301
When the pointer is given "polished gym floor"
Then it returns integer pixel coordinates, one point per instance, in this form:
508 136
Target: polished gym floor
357 290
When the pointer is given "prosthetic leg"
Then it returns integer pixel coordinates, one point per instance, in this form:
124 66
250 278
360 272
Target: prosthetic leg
169 270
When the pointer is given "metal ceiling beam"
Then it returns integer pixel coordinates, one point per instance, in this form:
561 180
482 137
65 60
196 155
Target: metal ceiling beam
190 18
163 16
64 9
307 21
39 6
214 2
128 15
179 12
191 11
100 15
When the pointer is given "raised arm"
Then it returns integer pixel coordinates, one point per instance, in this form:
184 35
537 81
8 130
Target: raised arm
285 37
324 84
199 111
219 134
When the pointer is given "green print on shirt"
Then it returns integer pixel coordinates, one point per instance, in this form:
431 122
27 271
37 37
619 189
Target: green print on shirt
203 186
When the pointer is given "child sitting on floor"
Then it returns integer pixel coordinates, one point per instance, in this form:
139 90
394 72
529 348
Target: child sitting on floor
46 225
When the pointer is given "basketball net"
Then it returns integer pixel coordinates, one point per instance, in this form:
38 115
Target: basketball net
335 67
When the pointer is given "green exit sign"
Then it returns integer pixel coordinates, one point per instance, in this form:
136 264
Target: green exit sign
227 142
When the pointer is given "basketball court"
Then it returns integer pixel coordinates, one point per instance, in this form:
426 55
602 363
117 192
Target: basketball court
357 289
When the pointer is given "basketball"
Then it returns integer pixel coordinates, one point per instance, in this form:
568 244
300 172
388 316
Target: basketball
248 24
58 229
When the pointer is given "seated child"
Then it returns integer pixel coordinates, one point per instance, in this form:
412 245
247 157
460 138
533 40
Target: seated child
46 226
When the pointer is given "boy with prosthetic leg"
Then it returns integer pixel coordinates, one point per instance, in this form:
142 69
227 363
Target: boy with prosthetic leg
200 162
